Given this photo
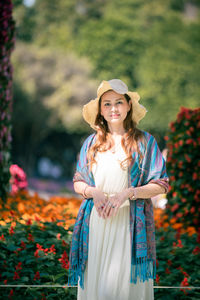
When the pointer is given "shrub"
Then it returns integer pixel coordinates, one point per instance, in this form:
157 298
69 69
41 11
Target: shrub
35 254
183 165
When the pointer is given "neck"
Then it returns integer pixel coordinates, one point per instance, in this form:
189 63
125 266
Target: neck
116 130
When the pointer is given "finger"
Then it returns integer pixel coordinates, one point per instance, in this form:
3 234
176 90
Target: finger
106 210
115 210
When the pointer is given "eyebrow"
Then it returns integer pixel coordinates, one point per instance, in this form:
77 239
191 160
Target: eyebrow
110 100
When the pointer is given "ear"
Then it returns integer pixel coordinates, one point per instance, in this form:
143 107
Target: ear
130 104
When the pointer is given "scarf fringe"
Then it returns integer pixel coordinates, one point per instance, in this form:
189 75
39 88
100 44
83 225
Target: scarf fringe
144 268
73 274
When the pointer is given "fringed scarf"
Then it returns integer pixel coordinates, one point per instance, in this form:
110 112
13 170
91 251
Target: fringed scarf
142 229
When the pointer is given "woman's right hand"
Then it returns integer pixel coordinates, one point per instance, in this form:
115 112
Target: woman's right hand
99 199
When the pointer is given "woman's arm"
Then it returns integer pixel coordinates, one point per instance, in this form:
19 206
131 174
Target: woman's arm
146 191
82 188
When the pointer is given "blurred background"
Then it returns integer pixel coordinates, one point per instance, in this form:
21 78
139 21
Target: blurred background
65 48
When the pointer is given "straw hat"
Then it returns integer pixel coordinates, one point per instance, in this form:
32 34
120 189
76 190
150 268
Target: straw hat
90 110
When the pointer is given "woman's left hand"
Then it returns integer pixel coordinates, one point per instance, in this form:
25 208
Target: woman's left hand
116 200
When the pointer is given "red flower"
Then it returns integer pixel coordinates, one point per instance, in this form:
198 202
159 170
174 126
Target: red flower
64 260
185 274
175 207
30 237
36 254
180 142
52 249
64 244
16 276
157 263
195 176
37 219
5 281
12 213
191 128
2 238
196 250
187 157
19 266
167 271
185 282
179 214
11 230
11 294
180 245
37 276
169 262
189 141
58 236
43 297
157 279
39 247
28 222
23 245
17 250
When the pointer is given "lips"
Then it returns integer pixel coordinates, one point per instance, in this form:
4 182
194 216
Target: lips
115 115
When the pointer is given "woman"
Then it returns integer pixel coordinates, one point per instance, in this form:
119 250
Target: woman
113 253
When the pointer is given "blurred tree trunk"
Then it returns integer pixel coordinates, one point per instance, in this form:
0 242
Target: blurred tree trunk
7 41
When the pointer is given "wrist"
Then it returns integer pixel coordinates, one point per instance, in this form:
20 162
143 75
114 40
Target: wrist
89 191
132 193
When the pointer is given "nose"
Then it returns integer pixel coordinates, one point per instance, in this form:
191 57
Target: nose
113 108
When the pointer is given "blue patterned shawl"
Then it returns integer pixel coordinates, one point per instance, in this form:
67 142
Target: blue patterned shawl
142 229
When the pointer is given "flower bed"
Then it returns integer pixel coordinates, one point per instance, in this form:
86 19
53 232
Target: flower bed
35 237
34 254
22 206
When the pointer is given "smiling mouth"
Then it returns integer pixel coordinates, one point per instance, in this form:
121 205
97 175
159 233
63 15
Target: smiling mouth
116 115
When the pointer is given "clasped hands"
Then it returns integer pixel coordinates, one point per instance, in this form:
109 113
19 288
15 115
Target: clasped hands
108 206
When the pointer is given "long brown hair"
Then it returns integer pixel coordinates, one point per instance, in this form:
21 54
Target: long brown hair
104 140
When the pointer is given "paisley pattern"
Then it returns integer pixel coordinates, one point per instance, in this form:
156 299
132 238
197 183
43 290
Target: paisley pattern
142 229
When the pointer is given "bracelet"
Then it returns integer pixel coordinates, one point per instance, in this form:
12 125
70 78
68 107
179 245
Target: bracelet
133 197
84 195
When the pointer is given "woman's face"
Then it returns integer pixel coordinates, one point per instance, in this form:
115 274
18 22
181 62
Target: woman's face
114 107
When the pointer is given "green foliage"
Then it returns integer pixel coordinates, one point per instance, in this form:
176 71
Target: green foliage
55 85
184 168
178 264
168 71
33 255
152 45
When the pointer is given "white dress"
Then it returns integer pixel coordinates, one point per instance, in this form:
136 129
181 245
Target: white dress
107 273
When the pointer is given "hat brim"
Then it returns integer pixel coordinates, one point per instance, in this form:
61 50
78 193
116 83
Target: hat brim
90 110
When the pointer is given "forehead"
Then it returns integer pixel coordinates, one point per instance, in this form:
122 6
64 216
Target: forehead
111 95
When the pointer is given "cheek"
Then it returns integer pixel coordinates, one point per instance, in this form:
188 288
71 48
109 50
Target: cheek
103 110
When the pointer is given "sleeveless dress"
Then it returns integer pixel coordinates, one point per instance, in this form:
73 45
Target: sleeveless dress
107 273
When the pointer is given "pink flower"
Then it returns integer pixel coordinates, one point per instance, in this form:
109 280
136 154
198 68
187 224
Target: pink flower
18 178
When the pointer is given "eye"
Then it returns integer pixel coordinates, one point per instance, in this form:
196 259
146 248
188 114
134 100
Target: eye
106 104
121 102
